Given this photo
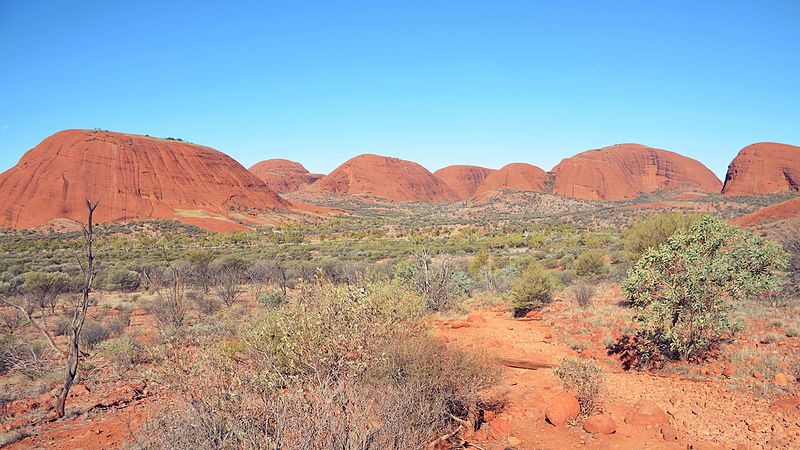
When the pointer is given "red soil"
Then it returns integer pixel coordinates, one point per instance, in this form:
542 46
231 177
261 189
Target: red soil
764 168
780 211
133 177
389 178
516 177
282 175
625 171
464 180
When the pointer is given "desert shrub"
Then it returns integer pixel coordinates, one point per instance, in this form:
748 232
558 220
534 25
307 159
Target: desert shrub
791 243
273 299
199 271
117 324
122 280
42 289
170 311
460 285
533 290
205 304
583 294
591 265
27 357
433 280
652 232
585 379
229 274
683 289
93 333
342 369
124 353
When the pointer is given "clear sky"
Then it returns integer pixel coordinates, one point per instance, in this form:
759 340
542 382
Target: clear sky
456 82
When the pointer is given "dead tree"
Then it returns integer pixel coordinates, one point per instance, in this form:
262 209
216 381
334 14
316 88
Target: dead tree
79 312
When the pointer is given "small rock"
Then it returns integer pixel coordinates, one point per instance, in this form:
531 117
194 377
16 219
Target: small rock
669 433
645 412
600 424
758 426
562 408
514 441
780 380
757 375
728 371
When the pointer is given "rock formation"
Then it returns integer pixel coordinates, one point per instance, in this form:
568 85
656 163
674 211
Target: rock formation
133 177
764 168
464 180
282 175
625 171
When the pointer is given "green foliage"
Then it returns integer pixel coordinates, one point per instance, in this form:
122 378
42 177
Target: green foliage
122 280
533 290
273 299
585 379
791 243
651 232
124 353
479 262
591 264
683 289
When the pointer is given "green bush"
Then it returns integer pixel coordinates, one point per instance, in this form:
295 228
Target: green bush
122 280
533 290
343 368
591 265
273 299
585 379
652 232
124 353
683 289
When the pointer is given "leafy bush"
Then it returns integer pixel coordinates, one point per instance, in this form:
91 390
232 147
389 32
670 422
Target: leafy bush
93 333
533 290
652 232
791 243
585 379
683 289
343 368
273 299
591 265
122 280
204 303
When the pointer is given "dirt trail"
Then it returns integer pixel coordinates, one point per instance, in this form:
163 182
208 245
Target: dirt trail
701 414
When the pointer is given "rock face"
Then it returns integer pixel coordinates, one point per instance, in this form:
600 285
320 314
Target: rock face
762 169
463 180
388 178
516 177
282 175
625 171
132 177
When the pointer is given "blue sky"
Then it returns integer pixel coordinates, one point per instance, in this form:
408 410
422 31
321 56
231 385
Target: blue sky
467 82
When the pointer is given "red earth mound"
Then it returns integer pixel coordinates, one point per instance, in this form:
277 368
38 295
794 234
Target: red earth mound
625 171
516 177
764 168
282 175
389 178
779 211
133 177
464 180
